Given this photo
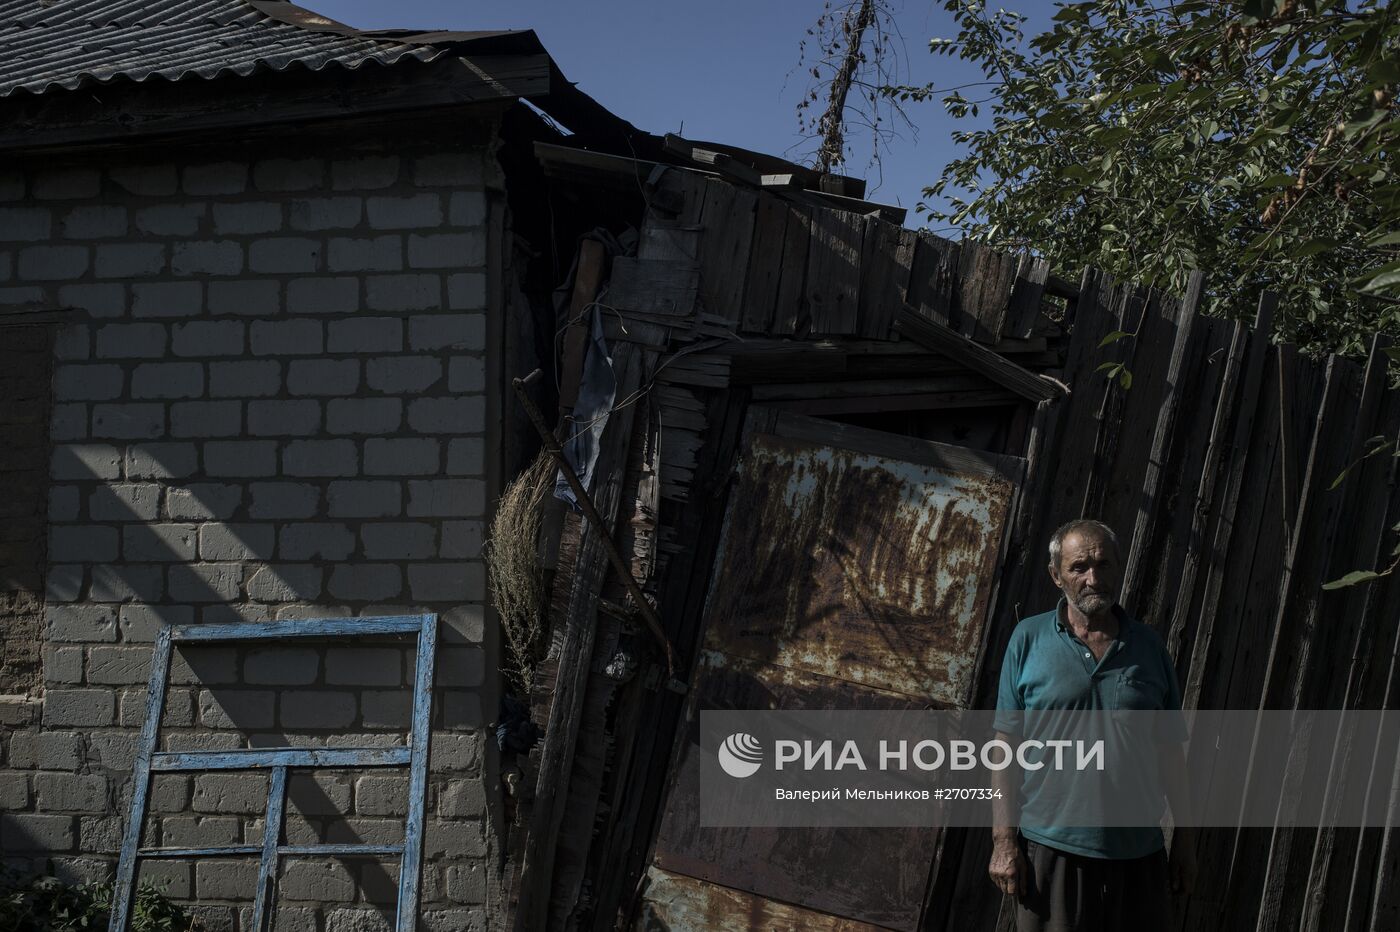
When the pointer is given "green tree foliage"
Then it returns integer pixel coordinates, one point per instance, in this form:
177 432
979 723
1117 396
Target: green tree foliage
1253 140
44 903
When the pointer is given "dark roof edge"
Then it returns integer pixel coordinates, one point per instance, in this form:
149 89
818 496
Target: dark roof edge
293 15
85 119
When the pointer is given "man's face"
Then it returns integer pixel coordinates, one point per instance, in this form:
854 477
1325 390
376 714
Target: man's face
1088 572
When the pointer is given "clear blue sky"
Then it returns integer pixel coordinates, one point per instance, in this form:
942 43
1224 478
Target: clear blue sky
723 70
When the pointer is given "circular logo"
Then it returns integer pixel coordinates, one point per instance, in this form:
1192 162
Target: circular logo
740 755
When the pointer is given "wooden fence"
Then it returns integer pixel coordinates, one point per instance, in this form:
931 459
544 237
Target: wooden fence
1214 453
1221 460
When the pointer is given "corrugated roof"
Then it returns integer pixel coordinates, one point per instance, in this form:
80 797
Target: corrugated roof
48 44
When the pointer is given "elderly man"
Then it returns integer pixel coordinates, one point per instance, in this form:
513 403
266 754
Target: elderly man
1087 654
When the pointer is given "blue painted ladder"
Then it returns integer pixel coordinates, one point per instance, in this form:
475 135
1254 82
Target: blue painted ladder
279 760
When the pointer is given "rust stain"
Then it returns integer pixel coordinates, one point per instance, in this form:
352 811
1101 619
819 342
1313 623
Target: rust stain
846 581
869 875
858 567
677 903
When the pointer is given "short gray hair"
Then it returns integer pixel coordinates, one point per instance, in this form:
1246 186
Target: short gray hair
1079 525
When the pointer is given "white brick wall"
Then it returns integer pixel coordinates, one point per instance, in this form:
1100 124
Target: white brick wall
276 410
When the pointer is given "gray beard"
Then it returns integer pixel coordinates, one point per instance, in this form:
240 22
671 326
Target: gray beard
1093 604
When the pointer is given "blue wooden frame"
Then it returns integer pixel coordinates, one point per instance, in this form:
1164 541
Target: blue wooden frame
279 761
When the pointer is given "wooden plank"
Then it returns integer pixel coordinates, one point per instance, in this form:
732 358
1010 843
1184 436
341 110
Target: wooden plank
885 270
959 896
877 350
1072 430
728 217
123 887
1374 681
1024 310
1169 539
1323 872
1295 643
1246 594
869 388
641 330
694 368
642 776
1236 418
928 401
631 178
271 758
721 162
411 866
1236 605
663 287
985 278
586 778
588 277
339 851
755 361
790 312
669 241
679 449
682 419
833 272
933 278
820 200
300 628
1185 617
1101 436
675 901
765 264
263 896
216 851
1317 519
936 336
1146 501
574 655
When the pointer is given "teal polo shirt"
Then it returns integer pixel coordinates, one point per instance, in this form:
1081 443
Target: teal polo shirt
1047 668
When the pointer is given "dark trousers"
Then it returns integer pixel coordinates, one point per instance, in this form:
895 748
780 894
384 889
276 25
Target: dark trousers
1072 893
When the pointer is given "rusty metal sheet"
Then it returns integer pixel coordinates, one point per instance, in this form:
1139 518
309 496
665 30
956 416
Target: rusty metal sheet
869 875
677 903
854 572
859 565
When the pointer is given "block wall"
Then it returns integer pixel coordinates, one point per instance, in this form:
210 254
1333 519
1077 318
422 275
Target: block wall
272 403
26 363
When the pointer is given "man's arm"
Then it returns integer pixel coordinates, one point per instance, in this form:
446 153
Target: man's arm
1171 760
1008 867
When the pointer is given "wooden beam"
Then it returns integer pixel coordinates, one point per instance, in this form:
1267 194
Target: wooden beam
725 165
575 656
975 356
1060 288
869 388
881 404
1150 484
588 277
887 212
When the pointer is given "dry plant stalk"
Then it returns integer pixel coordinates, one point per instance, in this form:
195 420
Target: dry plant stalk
514 575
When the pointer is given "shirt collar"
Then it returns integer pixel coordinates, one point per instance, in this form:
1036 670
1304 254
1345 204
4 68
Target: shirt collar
1124 619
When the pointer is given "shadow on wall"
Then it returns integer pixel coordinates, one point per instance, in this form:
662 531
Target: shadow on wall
190 548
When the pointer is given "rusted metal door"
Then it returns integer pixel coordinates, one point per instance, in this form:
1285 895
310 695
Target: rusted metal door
855 572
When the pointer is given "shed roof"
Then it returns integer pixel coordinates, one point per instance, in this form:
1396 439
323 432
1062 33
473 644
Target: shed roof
50 44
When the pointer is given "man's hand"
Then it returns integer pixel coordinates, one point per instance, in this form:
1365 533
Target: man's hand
1008 868
1181 867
